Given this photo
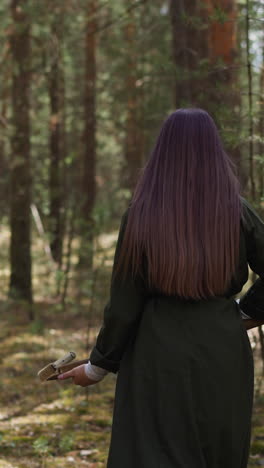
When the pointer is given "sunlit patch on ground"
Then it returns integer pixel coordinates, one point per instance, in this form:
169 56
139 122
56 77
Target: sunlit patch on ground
54 424
57 424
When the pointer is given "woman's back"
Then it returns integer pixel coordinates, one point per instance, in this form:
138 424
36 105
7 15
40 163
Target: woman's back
185 381
185 384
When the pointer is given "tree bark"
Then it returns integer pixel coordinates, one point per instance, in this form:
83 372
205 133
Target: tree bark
261 130
20 218
222 48
4 166
56 95
204 45
88 185
223 58
134 133
190 51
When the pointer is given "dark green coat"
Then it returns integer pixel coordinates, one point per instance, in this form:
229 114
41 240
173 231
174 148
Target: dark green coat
185 381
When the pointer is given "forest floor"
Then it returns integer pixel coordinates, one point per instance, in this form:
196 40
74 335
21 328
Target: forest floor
51 424
57 424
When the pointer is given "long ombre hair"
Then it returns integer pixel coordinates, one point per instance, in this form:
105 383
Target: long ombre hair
184 216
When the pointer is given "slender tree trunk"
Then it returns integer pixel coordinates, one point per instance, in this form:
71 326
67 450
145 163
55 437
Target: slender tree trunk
250 107
20 281
134 139
261 130
56 94
88 186
4 169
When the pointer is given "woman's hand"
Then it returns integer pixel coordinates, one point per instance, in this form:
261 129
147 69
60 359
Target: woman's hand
79 376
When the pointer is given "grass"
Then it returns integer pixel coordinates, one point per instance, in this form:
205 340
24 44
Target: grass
55 423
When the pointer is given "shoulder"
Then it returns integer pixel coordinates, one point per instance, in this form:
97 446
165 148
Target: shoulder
125 215
123 222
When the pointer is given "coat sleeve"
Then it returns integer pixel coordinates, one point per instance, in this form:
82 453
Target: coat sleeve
254 227
252 302
121 315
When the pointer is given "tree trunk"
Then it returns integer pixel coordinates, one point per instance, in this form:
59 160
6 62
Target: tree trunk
20 254
4 167
190 51
204 43
222 46
223 58
204 49
261 132
56 94
134 133
88 186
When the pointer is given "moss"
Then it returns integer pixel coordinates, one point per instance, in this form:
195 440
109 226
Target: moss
258 432
56 411
257 447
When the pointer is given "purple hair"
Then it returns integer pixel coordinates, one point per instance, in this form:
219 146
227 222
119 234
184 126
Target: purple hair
185 212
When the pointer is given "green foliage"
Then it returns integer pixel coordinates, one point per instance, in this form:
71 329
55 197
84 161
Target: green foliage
67 442
257 447
42 446
219 15
37 327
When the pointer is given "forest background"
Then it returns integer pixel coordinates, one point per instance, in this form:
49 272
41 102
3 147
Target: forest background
84 88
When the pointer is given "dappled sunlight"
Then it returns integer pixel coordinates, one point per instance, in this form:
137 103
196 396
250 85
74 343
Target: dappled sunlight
51 424
32 420
5 464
